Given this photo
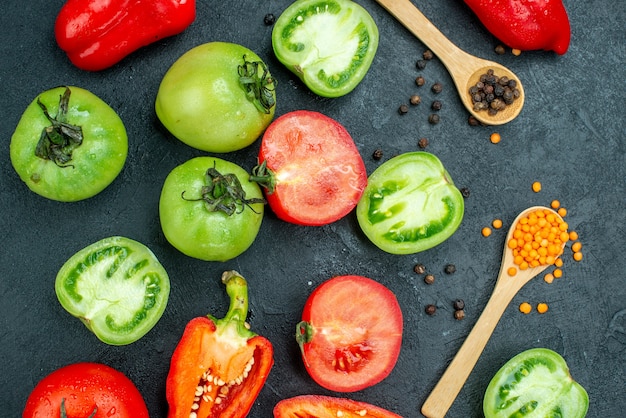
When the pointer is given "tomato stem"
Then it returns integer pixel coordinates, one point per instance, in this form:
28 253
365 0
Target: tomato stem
255 79
262 175
304 334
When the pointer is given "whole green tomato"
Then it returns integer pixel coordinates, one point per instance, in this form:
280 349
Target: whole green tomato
68 145
217 97
210 210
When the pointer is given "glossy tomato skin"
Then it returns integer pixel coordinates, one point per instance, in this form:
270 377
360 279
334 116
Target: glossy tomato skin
198 232
410 204
94 164
86 386
202 102
328 407
318 172
351 333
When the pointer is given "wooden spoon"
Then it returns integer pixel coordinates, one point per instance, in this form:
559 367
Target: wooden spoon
464 68
450 384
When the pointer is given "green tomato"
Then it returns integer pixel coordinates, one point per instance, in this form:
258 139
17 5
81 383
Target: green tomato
328 44
210 210
116 287
535 384
410 204
217 97
68 145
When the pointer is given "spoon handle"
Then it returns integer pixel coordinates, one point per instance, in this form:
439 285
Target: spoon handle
450 384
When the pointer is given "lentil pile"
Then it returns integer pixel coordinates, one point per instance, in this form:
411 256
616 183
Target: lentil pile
493 93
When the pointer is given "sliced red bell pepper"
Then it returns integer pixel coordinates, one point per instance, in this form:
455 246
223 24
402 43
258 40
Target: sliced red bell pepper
219 365
97 34
526 24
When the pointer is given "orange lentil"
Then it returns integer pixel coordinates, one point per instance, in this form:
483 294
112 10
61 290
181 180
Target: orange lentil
512 271
577 246
542 308
548 278
486 231
536 187
558 262
573 235
495 138
558 273
555 204
497 223
525 308
577 256
516 52
562 212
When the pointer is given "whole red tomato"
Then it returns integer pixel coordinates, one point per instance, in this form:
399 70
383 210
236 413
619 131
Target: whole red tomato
85 390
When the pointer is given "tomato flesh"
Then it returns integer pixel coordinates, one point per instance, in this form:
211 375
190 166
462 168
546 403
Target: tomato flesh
318 172
83 387
351 333
328 407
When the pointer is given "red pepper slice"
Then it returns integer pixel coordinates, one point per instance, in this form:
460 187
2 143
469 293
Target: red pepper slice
526 24
220 365
97 34
321 406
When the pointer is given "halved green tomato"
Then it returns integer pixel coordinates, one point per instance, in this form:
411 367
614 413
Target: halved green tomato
328 44
535 384
410 204
116 287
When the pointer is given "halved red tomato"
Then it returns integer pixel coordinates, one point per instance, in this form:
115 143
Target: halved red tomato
311 169
350 334
328 407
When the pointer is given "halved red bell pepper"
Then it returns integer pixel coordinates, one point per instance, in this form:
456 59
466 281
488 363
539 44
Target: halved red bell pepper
526 24
220 365
97 34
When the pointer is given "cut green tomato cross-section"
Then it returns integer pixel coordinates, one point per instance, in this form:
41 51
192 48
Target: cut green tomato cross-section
116 287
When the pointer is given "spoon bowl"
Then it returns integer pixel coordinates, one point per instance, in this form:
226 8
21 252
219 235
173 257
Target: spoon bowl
465 69
453 379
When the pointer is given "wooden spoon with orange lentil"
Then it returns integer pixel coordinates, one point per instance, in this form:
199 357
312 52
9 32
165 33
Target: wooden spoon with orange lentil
534 242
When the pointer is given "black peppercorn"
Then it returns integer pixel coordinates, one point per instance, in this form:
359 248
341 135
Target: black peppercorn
430 309
420 81
465 192
436 106
458 305
429 279
433 119
415 99
428 55
500 49
378 154
473 121
449 269
422 143
420 64
269 19
459 315
403 109
419 268
437 88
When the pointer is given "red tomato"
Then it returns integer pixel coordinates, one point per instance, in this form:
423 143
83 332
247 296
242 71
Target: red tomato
83 387
317 175
328 407
350 334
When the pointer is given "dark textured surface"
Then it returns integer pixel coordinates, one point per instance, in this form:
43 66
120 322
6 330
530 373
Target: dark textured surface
570 136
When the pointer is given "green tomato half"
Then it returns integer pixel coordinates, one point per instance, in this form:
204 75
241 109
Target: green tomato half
202 218
217 97
75 155
328 44
535 384
410 204
116 287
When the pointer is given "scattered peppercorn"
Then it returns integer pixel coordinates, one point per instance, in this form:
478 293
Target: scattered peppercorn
415 99
500 49
419 268
430 309
458 315
436 106
450 269
433 119
459 305
422 143
428 55
429 279
403 109
472 121
465 192
437 88
269 19
420 64
493 93
378 154
420 81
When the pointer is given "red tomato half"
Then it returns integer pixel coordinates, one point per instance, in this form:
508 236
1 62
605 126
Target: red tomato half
328 407
85 387
318 175
350 334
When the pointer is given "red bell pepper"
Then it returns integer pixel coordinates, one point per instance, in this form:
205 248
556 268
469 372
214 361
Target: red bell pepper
219 365
97 34
526 24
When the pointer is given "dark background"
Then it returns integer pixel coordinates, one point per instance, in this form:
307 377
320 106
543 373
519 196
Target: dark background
569 136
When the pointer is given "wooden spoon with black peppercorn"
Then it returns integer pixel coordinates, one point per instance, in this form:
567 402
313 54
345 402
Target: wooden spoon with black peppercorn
466 70
508 284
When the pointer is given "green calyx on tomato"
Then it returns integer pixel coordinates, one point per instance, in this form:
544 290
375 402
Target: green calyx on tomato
410 204
328 44
210 210
74 154
116 287
350 334
535 383
219 365
217 97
